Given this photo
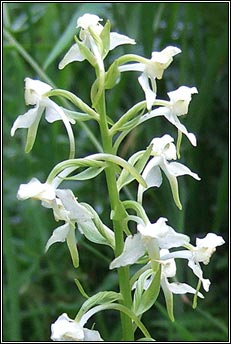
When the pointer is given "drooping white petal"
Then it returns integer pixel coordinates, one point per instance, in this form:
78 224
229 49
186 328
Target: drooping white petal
172 181
149 94
152 174
66 329
117 39
59 235
182 288
199 273
133 250
178 169
172 118
72 55
26 120
37 190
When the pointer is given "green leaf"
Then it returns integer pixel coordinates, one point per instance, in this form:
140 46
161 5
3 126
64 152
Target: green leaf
80 287
105 37
86 52
71 243
77 116
147 339
148 298
89 173
138 160
103 297
95 230
112 76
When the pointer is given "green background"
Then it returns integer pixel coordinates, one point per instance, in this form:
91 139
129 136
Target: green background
38 287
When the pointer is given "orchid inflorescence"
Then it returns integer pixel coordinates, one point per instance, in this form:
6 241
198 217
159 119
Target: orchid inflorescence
156 247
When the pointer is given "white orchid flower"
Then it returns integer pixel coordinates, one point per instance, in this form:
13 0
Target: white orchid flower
35 94
65 329
164 150
177 106
65 208
150 239
151 70
201 253
36 190
168 271
88 24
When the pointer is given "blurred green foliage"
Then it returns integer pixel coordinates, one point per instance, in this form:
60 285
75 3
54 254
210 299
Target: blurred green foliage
38 287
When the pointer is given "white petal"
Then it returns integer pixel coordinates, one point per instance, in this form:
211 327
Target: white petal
211 240
66 329
166 236
26 120
34 90
199 273
164 146
149 94
133 250
152 174
172 118
87 20
118 39
182 93
73 54
160 61
168 265
76 211
91 336
58 235
182 288
178 169
165 55
36 189
52 115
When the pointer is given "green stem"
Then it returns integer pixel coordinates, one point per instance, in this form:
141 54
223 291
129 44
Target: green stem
114 306
116 208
